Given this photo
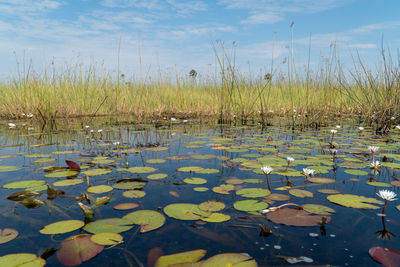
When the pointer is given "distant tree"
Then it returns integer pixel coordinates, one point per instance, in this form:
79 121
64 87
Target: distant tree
193 73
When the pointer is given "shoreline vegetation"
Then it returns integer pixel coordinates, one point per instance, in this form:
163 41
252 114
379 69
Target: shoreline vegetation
311 99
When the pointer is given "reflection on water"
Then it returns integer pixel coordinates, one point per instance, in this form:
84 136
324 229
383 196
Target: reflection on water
237 153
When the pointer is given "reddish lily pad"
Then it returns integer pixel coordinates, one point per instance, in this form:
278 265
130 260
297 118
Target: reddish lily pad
7 234
77 249
388 257
126 206
295 217
72 165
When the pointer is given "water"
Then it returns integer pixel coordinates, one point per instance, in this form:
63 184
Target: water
345 241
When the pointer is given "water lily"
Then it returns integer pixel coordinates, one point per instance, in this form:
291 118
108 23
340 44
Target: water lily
333 131
87 126
289 160
30 115
100 130
373 149
11 125
375 165
267 170
386 195
398 127
308 172
338 126
361 128
173 119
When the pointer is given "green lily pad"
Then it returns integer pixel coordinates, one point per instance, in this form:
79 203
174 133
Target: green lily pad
96 172
391 165
207 171
111 225
156 149
61 174
24 184
147 219
185 211
129 185
8 168
250 205
320 180
180 258
354 201
99 189
211 206
203 157
356 172
22 260
43 161
200 189
62 227
253 192
223 189
7 234
189 169
195 180
68 182
328 191
107 239
379 184
65 152
102 161
139 169
230 259
156 161
216 217
77 249
157 176
318 209
300 193
134 194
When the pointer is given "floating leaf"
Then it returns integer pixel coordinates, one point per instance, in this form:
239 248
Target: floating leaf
230 259
21 195
156 161
300 193
185 211
223 189
379 184
96 172
156 149
211 206
62 227
87 211
157 176
7 234
388 257
32 203
126 206
207 171
320 180
276 197
183 257
43 161
318 209
195 180
234 181
147 219
189 169
395 183
8 168
68 182
200 189
250 205
356 172
253 192
77 249
101 200
24 184
174 194
134 194
107 239
328 191
111 225
72 165
354 201
61 174
295 217
216 217
129 185
22 260
99 189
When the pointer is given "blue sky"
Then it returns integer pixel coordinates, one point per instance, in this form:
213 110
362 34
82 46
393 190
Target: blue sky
176 36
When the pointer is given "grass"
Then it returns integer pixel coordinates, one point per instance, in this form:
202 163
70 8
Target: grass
312 100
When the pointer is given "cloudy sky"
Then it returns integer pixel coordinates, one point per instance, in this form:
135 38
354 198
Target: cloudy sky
174 36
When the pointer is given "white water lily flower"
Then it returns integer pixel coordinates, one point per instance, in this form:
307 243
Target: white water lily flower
387 195
30 115
398 127
289 159
87 126
308 172
173 119
184 121
373 149
333 131
100 130
375 164
361 128
338 126
267 169
12 125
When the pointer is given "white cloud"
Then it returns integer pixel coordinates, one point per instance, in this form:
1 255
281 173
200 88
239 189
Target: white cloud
262 18
26 7
149 4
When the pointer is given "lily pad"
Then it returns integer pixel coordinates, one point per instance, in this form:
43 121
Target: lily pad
77 249
107 239
189 169
253 192
216 217
185 211
139 169
211 206
295 217
321 180
388 257
328 191
126 206
200 189
301 193
147 219
7 234
223 189
179 258
250 205
318 209
99 189
195 180
157 176
111 225
156 149
22 260
62 227
354 201
24 184
96 172
356 172
68 182
276 197
4 168
156 161
129 185
134 194
61 174
43 161
230 259
379 184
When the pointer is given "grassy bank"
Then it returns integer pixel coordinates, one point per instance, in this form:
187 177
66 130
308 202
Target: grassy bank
311 100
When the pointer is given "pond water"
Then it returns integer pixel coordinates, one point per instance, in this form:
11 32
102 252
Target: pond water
228 160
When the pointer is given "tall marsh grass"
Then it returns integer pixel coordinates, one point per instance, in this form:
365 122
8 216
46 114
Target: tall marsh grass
311 99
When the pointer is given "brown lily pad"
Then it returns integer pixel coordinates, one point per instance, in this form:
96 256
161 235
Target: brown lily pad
295 217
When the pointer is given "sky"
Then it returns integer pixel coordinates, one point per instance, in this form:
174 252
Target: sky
148 38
